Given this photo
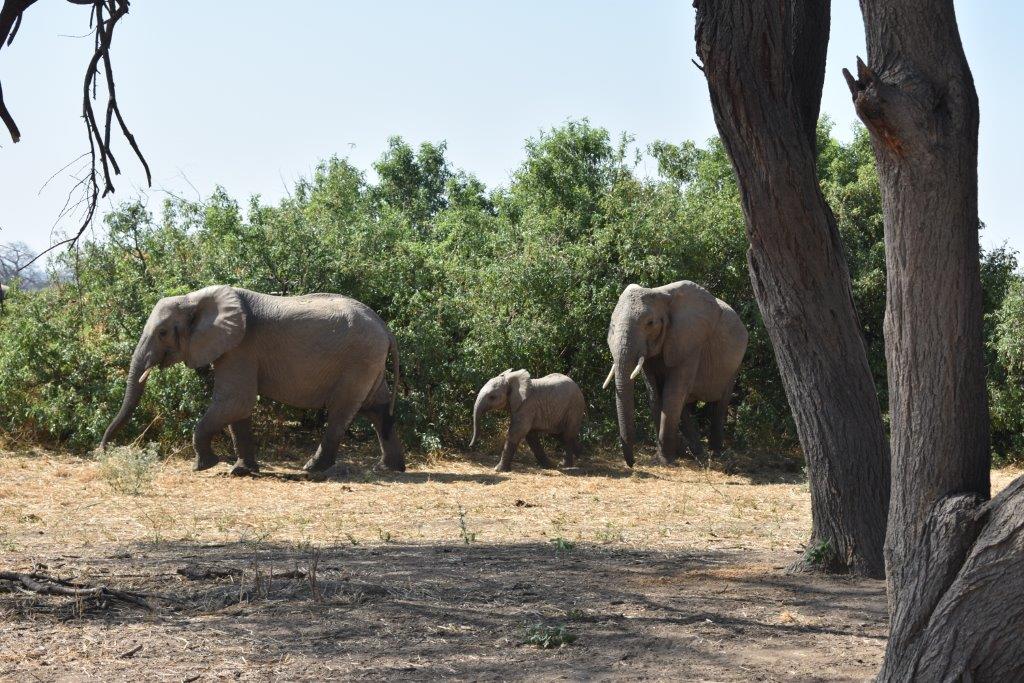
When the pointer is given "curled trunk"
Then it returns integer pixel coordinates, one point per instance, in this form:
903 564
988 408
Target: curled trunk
132 393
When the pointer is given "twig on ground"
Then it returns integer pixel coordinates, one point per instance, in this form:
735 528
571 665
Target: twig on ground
130 653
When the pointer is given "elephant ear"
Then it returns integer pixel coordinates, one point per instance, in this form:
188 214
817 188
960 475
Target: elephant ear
218 324
693 316
519 385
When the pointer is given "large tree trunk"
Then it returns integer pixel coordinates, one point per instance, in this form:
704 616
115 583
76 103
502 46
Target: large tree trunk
765 64
955 562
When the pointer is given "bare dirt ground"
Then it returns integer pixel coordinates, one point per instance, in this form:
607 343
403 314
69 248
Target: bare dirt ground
438 573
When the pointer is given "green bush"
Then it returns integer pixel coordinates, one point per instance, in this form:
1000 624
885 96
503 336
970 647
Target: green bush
471 282
1006 375
128 470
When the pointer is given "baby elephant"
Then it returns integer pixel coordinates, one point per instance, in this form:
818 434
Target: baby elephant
549 405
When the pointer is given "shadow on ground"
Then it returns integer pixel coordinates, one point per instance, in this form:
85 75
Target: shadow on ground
263 611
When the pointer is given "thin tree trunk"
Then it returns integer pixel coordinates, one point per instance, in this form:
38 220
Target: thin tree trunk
955 562
765 64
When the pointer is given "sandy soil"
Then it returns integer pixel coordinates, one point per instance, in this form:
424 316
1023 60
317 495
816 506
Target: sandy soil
441 572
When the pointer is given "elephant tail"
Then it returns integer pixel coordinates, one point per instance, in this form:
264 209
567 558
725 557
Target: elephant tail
393 351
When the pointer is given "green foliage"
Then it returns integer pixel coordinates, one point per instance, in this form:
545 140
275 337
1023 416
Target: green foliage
820 555
1006 375
547 637
471 282
562 545
468 537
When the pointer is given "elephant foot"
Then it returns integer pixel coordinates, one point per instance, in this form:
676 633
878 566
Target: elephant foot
243 469
383 466
205 462
660 456
316 464
503 467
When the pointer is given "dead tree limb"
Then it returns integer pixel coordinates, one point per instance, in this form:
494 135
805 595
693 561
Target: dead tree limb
104 16
42 584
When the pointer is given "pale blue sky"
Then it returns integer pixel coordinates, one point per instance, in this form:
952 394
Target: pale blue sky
247 96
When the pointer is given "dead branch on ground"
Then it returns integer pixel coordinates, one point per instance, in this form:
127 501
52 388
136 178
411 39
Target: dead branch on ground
43 584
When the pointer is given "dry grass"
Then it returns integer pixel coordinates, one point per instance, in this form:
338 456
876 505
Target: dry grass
663 573
653 507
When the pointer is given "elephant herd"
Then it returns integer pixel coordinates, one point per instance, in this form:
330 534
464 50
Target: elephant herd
328 351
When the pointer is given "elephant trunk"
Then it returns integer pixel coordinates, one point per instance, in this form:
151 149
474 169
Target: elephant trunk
625 368
626 410
478 414
138 372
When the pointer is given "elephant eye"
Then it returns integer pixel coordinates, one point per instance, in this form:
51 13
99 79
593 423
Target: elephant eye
163 333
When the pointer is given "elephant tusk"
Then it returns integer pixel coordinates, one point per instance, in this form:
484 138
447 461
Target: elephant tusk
145 375
608 380
639 367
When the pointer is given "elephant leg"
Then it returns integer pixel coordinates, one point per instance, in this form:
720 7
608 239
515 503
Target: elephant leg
392 452
507 454
212 423
245 448
533 440
720 411
571 443
517 431
690 431
338 419
673 401
234 395
655 384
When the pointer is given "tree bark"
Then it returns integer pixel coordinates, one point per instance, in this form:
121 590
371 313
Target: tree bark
765 64
954 561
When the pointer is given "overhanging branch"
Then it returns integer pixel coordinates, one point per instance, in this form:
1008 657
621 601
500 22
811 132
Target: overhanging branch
104 16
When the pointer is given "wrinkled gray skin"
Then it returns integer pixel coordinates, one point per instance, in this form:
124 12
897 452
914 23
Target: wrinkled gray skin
691 344
552 405
314 351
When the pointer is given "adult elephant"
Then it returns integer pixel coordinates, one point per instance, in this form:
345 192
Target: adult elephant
313 351
689 346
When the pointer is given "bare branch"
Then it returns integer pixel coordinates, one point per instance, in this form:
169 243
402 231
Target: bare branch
43 584
103 18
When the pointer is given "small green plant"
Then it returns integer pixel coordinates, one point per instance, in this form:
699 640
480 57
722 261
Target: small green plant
547 637
562 545
819 554
611 533
384 535
311 575
6 544
351 539
467 535
431 443
128 470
